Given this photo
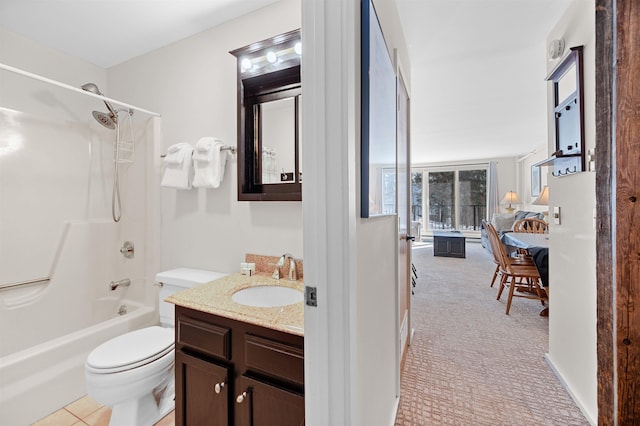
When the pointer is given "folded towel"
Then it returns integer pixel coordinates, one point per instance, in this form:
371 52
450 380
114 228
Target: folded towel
177 171
209 162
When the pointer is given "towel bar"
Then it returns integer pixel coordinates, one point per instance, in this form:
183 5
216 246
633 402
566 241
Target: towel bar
224 148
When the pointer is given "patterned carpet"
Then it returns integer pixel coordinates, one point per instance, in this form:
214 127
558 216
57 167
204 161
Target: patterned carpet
470 364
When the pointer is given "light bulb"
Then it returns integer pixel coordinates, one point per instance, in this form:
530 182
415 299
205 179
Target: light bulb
271 57
298 48
246 64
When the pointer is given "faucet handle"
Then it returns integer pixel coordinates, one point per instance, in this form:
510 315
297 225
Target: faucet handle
276 272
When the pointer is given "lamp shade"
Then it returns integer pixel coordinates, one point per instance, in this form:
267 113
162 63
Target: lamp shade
543 198
510 198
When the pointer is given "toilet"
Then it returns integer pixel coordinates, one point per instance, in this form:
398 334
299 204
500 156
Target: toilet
133 373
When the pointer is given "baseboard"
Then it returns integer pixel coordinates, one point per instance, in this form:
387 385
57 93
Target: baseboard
568 388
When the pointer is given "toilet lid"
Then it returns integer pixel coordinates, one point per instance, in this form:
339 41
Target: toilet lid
132 349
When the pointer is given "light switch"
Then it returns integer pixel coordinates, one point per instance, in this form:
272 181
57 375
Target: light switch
556 215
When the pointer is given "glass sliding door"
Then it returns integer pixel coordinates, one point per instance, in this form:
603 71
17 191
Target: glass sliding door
472 196
455 198
441 200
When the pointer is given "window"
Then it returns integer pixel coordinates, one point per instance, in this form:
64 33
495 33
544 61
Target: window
455 197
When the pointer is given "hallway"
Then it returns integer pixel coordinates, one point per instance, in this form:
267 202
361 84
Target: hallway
470 364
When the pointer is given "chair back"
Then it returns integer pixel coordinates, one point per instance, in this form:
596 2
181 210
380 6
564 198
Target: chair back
499 250
531 225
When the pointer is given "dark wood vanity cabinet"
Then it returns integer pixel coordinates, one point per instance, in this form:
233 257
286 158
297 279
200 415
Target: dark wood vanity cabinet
232 373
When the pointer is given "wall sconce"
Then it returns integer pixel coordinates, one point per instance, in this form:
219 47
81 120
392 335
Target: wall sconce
510 198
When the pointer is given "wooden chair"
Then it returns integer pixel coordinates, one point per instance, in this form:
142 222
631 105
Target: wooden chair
520 274
531 225
519 259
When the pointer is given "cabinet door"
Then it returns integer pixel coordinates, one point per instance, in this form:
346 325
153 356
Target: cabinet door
202 392
268 405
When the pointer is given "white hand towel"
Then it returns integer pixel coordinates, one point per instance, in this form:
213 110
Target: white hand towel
177 171
209 162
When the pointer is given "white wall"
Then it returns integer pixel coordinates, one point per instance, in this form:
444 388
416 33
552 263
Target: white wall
192 83
377 322
572 251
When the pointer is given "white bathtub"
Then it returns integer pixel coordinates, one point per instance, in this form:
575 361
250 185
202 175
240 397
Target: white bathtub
43 378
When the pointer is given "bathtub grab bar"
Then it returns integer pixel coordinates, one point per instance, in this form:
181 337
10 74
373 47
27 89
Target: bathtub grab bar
23 283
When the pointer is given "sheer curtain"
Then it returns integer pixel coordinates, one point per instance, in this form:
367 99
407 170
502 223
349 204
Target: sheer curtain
493 198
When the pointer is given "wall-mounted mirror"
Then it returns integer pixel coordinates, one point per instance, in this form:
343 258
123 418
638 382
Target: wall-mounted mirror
269 93
378 148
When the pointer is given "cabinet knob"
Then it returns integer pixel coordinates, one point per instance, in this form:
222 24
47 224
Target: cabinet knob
218 387
241 397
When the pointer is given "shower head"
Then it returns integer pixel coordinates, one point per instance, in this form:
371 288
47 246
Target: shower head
104 119
91 87
112 118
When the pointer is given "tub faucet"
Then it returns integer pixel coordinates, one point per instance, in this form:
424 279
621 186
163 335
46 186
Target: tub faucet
293 274
120 283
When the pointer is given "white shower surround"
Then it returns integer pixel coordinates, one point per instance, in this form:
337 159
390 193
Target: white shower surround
57 218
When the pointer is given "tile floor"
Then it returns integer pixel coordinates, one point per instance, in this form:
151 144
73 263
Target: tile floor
86 411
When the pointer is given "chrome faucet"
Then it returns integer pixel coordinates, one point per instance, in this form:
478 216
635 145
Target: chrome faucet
293 274
120 283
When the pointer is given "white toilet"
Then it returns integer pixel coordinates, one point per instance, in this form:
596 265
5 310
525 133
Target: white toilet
133 373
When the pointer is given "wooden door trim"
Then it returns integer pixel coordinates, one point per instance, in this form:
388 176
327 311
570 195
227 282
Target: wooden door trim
617 195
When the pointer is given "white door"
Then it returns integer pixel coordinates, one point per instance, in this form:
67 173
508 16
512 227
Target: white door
404 215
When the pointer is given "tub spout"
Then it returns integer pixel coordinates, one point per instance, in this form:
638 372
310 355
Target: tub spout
120 283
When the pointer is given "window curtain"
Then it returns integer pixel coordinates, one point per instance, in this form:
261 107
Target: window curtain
493 198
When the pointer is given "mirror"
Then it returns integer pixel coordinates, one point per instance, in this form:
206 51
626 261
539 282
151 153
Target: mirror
568 116
269 92
278 140
378 148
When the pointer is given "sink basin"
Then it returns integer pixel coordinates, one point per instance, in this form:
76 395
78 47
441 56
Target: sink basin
267 296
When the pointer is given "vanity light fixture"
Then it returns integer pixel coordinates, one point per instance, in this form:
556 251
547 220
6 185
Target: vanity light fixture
298 48
271 57
246 64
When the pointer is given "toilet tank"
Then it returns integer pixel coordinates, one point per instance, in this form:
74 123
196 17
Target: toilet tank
176 280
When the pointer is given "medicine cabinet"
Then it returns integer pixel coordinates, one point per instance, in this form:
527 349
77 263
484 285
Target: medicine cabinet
268 96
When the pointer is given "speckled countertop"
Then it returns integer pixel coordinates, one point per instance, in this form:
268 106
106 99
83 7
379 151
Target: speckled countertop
215 298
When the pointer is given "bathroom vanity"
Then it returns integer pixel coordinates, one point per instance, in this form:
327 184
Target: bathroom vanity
237 364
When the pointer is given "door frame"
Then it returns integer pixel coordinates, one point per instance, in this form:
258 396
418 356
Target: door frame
617 186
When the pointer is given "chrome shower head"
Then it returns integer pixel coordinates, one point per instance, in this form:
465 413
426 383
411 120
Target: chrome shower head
112 117
91 87
104 119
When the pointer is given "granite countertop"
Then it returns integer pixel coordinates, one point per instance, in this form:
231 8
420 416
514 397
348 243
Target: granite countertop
215 298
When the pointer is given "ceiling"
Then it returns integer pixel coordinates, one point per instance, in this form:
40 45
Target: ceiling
478 66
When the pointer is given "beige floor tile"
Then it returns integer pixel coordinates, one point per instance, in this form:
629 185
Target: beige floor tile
59 418
168 420
80 423
100 417
83 407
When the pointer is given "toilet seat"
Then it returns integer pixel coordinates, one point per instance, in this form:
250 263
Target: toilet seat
131 350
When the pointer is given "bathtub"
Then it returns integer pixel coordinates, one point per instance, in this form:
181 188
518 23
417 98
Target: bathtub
41 379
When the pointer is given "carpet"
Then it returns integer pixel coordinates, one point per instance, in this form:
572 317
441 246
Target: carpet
469 363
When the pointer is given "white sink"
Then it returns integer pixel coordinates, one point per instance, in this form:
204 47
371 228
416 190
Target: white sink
267 296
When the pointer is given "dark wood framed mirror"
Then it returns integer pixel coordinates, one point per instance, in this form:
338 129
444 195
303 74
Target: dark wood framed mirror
568 116
269 92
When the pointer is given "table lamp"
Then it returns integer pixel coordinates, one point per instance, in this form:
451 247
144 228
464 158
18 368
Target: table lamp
543 199
510 198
